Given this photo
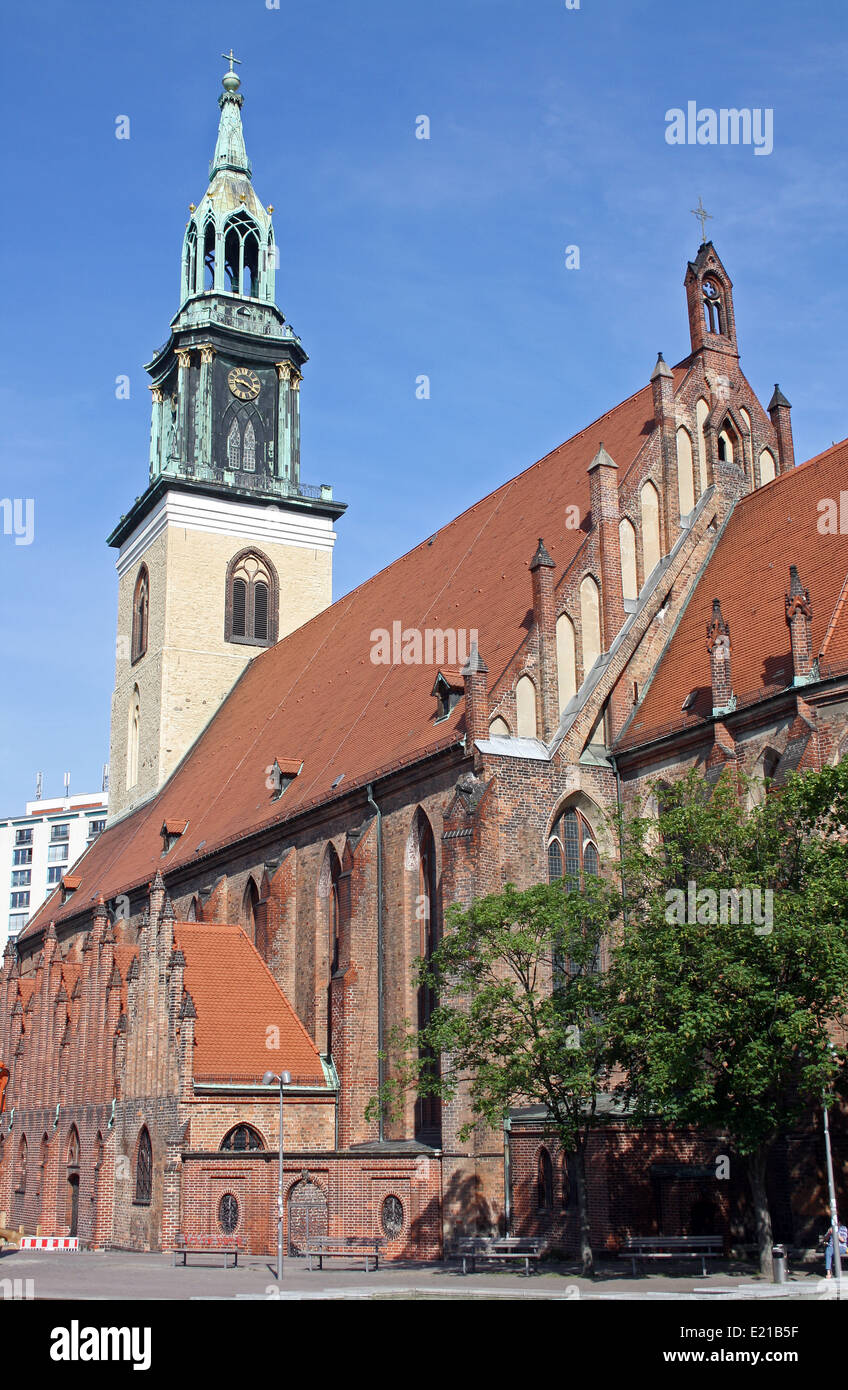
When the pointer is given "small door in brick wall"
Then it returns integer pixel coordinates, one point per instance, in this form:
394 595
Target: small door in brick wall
307 1214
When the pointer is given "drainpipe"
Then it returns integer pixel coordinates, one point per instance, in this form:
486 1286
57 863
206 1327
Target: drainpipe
507 1125
612 758
380 1078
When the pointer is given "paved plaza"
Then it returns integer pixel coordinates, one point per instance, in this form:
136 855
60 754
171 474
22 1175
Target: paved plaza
128 1275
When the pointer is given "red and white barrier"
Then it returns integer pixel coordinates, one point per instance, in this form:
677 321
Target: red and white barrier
69 1244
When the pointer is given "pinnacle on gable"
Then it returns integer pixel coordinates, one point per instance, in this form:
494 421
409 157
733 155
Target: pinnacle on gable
474 663
602 460
541 557
158 884
168 913
778 399
177 958
661 369
188 1010
716 627
132 973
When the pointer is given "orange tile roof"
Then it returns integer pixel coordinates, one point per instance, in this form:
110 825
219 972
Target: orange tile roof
238 1001
769 530
319 691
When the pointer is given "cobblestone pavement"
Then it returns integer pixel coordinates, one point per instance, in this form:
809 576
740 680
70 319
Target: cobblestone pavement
117 1275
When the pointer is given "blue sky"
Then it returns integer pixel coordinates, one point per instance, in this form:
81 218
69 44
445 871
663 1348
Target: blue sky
401 257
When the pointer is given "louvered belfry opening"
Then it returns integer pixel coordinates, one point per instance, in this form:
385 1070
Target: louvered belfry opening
251 607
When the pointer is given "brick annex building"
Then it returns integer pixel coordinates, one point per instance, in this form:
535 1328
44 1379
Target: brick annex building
297 799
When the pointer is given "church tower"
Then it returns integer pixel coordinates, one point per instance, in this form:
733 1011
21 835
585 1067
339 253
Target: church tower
227 550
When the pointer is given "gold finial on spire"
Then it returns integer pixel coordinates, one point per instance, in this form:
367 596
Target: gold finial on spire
231 80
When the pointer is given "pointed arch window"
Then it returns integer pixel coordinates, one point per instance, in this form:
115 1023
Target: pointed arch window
21 1175
428 1109
241 255
190 262
544 1181
566 648
590 620
242 1139
768 471
627 546
209 256
141 606
234 447
251 600
144 1170
525 708
134 734
649 506
572 851
713 306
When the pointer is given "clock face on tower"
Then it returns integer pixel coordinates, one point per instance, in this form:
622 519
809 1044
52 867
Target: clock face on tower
244 383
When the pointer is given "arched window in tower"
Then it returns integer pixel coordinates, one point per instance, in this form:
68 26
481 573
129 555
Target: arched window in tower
190 262
649 507
252 600
590 621
566 659
685 473
713 307
250 266
234 447
248 456
141 604
133 737
21 1174
144 1170
768 471
209 256
525 708
241 255
627 546
702 411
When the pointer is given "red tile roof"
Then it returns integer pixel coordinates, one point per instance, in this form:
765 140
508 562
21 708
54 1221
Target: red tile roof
319 691
239 1006
769 530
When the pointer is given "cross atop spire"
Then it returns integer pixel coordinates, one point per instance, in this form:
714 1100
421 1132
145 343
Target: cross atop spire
231 58
700 212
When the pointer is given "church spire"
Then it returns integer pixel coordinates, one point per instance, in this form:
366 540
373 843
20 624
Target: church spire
229 241
230 152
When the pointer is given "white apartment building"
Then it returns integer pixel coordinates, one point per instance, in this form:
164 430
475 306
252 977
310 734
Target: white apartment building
38 848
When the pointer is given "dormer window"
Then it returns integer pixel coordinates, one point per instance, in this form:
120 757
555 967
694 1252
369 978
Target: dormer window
282 774
171 831
449 688
713 308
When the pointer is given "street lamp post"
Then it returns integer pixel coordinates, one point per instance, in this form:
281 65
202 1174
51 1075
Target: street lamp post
831 1187
284 1079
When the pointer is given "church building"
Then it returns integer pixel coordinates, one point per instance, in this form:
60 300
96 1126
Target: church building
300 789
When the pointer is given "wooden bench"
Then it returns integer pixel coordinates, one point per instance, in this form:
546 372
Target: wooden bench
208 1245
491 1248
326 1247
700 1248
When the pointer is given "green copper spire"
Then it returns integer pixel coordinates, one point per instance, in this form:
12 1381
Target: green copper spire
229 243
230 152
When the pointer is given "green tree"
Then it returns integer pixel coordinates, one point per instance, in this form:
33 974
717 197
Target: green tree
521 1015
723 1024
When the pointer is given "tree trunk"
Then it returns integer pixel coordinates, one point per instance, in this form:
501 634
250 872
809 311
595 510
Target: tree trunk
587 1264
756 1165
